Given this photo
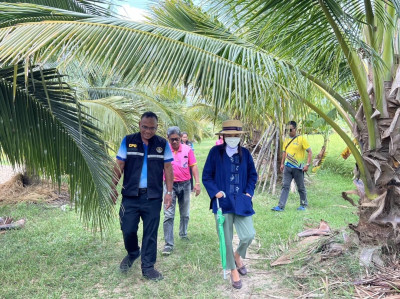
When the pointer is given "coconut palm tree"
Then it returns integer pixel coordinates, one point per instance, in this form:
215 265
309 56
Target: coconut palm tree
45 128
262 53
67 127
318 37
347 50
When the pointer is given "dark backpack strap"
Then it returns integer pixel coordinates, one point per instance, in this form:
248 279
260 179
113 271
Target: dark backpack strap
291 142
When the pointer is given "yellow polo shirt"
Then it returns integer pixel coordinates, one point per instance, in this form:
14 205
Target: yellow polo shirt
296 152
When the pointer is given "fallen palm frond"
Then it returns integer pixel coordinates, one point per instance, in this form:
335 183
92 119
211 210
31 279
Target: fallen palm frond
384 283
323 229
319 244
311 249
326 286
300 251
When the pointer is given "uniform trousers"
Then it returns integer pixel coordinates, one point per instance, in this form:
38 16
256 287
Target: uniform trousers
132 210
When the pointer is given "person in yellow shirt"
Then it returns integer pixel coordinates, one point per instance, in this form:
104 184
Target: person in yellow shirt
294 164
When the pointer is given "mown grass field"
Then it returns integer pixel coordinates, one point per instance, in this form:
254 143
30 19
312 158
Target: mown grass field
54 256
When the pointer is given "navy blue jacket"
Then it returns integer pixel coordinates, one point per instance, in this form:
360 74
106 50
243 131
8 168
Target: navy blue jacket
216 175
134 162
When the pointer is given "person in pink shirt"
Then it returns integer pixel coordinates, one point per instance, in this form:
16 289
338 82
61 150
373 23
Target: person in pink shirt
184 160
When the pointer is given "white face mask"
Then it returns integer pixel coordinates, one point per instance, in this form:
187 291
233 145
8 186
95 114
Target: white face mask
232 141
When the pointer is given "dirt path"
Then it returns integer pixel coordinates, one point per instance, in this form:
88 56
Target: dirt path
259 282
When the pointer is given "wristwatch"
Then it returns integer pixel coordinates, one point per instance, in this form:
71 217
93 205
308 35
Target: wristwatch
169 192
308 164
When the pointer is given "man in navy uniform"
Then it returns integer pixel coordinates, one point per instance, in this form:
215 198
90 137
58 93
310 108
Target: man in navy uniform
142 158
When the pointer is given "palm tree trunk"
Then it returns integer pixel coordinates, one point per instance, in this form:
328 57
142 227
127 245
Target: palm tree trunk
30 177
380 218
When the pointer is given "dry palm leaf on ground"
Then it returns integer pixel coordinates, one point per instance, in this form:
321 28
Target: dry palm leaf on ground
384 283
14 191
318 244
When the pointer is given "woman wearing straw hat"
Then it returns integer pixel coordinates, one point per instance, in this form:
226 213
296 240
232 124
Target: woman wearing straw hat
229 175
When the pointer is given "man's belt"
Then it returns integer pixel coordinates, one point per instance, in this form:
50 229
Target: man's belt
181 182
142 190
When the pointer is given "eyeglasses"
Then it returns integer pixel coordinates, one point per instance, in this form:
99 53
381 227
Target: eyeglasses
174 139
146 128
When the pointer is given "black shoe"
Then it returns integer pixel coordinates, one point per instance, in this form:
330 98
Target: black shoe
152 274
127 262
167 251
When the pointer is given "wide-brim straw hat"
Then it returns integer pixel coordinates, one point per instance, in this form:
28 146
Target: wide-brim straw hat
232 126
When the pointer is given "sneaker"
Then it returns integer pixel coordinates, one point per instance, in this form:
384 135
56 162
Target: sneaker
185 238
127 262
152 274
277 209
301 208
167 251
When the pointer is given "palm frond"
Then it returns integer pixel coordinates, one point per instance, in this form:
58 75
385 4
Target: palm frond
152 58
43 127
299 31
229 74
185 16
16 13
165 102
224 71
92 7
115 117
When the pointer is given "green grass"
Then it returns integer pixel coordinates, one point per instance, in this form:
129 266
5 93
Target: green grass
54 256
323 195
334 163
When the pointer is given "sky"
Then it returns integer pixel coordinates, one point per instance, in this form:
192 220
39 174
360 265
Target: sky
134 10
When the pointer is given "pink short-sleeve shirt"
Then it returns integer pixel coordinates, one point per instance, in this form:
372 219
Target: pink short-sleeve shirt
184 158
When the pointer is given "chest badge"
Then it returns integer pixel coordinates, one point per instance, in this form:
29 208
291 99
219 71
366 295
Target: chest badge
132 145
159 150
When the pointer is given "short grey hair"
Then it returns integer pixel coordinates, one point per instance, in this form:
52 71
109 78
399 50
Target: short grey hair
173 130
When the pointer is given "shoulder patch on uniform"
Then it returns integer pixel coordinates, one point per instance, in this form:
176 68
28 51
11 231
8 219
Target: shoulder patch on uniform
132 145
159 149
